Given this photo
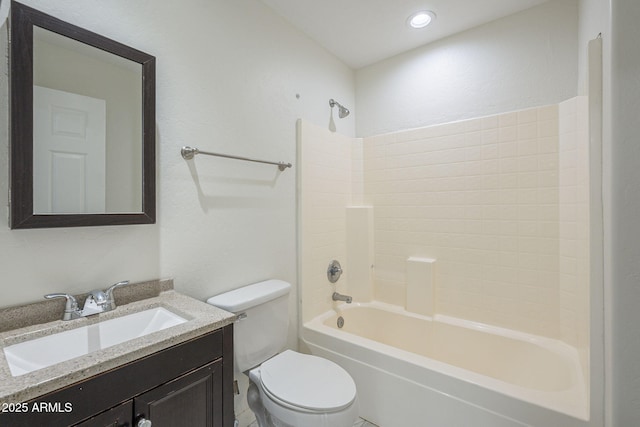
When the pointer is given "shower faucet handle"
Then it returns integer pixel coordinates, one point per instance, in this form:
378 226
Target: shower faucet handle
334 271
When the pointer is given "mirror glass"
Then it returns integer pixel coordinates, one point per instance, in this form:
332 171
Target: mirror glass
87 128
82 126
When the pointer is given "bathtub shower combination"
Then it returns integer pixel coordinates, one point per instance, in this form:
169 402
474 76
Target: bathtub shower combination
465 249
409 368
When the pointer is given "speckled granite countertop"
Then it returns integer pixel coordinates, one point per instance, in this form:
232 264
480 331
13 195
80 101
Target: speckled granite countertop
202 318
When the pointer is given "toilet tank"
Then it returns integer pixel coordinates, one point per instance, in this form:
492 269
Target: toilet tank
262 328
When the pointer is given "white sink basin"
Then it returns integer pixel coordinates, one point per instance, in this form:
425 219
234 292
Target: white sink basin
41 352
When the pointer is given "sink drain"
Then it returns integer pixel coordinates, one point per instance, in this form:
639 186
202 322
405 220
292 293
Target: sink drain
340 322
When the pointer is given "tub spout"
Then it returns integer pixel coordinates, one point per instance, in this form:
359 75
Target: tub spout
339 297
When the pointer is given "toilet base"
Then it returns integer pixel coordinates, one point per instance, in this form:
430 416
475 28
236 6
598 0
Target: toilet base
271 414
255 404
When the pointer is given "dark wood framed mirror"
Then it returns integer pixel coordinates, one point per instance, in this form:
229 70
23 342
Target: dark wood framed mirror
82 114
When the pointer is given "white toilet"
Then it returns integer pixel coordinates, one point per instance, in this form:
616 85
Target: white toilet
287 389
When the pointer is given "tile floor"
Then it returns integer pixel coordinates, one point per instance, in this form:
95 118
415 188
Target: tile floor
359 423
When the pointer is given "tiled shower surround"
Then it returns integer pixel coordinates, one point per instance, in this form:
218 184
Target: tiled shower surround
500 202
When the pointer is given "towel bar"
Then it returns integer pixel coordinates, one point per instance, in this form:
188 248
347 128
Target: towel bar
189 152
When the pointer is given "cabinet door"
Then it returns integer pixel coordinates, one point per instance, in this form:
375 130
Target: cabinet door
120 416
192 400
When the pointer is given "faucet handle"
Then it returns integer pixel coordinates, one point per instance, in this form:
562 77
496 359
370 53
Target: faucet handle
71 307
71 300
116 285
334 271
109 292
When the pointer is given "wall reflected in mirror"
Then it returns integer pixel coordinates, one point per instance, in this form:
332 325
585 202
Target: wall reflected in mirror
87 128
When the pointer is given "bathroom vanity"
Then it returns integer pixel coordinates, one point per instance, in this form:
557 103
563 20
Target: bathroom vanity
182 385
179 376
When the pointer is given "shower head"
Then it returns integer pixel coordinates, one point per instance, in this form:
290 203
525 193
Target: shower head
342 111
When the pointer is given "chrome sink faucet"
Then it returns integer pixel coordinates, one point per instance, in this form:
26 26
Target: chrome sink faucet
97 301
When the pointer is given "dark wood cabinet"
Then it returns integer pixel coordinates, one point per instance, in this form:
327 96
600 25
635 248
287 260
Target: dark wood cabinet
120 416
194 400
189 384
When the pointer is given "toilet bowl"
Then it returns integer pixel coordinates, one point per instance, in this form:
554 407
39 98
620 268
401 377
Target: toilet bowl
287 389
302 390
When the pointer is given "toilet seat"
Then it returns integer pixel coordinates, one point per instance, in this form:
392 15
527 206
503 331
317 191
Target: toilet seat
307 383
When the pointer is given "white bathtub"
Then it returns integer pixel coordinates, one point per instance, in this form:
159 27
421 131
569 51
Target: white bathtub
412 370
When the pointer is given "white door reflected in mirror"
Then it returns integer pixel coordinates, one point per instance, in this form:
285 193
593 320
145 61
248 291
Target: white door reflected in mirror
69 134
71 77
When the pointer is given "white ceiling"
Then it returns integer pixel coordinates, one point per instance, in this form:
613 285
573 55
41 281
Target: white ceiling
362 32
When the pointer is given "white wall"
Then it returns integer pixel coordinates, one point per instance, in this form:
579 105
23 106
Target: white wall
500 202
593 16
232 77
481 197
325 189
227 78
574 219
625 211
521 61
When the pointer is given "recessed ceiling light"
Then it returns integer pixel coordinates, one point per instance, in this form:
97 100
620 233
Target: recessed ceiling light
421 19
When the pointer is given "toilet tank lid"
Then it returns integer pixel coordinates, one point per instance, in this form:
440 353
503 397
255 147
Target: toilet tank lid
249 296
